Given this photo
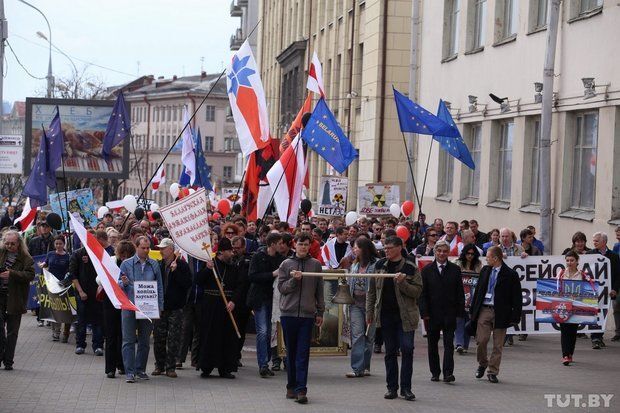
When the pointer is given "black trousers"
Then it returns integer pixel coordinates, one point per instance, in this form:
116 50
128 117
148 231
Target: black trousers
9 328
568 338
112 330
433 351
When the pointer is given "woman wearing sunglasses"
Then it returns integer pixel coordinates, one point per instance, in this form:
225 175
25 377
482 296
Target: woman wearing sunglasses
470 264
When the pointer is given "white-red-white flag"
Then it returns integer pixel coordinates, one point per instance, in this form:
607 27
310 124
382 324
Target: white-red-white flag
159 179
286 179
315 76
328 253
105 266
26 219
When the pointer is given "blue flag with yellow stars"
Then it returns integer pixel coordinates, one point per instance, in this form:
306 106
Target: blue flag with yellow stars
118 127
415 119
454 146
325 137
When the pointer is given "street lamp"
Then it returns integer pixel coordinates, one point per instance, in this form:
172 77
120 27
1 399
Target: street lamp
42 36
50 77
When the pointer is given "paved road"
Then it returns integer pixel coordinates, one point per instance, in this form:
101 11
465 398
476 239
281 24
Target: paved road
49 377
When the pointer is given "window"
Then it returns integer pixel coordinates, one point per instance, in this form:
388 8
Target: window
507 19
505 162
231 144
174 113
451 27
472 183
479 28
539 8
586 6
446 173
227 173
156 114
208 143
535 164
210 113
583 178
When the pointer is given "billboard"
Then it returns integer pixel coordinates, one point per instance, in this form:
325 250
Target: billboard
84 123
11 154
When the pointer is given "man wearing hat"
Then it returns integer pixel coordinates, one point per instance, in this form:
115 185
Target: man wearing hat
43 243
176 279
218 339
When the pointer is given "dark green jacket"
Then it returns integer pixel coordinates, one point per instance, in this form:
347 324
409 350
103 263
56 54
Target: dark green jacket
19 282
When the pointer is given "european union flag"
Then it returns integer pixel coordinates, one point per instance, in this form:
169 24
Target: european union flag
56 144
118 127
325 137
203 171
455 146
415 119
36 185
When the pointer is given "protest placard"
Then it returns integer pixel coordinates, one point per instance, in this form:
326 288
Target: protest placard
145 298
333 198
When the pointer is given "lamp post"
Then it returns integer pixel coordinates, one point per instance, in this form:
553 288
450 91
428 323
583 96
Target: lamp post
50 77
75 69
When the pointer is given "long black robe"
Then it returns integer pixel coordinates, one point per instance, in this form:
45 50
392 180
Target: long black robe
218 341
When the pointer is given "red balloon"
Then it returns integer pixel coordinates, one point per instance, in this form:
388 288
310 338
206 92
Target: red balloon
223 206
216 216
183 192
407 208
402 232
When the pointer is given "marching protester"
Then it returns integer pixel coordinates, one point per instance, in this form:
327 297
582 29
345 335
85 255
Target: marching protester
579 241
191 314
469 262
57 263
527 242
427 248
167 330
90 310
362 338
392 303
16 272
441 302
8 219
219 344
496 305
452 237
263 271
301 307
493 241
41 244
481 237
138 268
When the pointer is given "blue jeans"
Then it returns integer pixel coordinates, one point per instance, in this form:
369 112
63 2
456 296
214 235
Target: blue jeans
361 344
297 336
393 336
461 338
135 362
82 321
262 320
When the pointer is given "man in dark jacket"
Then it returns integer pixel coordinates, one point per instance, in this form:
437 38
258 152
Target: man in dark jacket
8 219
496 305
43 243
16 272
441 302
177 279
263 271
242 312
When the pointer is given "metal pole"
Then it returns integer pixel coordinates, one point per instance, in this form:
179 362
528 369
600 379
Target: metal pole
4 31
546 218
412 146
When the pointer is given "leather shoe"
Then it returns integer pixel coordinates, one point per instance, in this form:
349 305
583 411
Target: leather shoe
156 372
480 372
290 394
391 394
449 379
435 378
492 378
110 375
172 374
301 398
227 375
407 395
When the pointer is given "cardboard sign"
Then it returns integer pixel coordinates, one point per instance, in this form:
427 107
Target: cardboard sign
333 197
375 199
145 296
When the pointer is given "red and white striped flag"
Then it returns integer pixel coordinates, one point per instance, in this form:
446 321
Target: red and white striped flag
454 244
286 179
105 266
160 178
26 219
315 76
328 253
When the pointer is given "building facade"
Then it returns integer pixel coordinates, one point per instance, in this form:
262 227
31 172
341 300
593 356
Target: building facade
157 120
247 10
364 48
498 47
14 122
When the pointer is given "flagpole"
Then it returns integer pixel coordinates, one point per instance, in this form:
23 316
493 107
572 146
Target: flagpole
184 127
426 171
415 189
62 214
238 189
135 155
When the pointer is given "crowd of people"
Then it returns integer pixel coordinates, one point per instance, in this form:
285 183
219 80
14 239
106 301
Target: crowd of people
271 273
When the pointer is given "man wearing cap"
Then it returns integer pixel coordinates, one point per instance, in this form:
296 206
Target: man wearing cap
43 243
176 279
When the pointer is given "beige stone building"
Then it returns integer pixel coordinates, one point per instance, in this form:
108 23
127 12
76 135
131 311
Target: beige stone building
364 48
157 120
470 48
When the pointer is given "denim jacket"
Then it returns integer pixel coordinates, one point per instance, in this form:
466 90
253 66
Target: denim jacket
132 268
355 267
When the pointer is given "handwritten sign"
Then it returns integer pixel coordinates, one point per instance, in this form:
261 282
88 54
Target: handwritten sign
333 199
375 199
145 295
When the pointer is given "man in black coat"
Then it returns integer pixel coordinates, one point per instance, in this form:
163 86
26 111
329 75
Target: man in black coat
263 271
441 302
496 305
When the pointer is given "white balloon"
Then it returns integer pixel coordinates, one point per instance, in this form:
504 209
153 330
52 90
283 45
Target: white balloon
154 207
102 211
350 218
395 210
191 191
130 203
174 190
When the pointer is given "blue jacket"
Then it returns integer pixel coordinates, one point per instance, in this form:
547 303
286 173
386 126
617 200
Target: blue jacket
132 268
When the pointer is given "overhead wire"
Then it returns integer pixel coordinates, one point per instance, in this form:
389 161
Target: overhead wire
20 63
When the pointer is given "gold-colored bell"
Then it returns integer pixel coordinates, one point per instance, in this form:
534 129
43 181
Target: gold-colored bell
343 295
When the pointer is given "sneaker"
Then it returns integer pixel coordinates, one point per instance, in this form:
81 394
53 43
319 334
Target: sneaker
142 376
98 352
565 360
301 398
353 375
271 373
41 323
264 372
367 373
130 378
459 349
79 350
522 337
55 337
596 345
275 366
110 375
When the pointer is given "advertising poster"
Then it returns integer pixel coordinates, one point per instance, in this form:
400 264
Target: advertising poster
11 154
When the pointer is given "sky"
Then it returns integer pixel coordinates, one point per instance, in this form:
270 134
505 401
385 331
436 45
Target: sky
166 37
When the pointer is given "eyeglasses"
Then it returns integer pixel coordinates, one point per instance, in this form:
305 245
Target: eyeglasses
230 233
431 235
